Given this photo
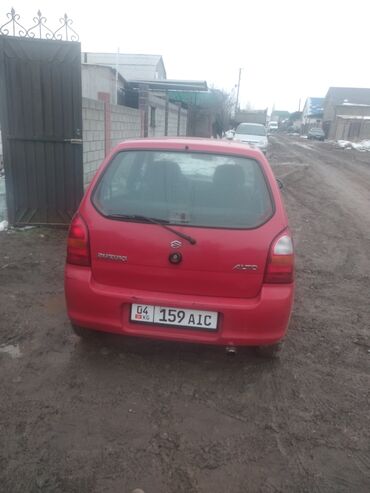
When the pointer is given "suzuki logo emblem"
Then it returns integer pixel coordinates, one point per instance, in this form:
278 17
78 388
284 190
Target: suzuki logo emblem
176 244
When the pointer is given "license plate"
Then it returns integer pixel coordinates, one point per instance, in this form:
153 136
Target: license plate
179 317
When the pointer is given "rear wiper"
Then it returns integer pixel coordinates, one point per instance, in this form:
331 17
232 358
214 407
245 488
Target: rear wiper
161 222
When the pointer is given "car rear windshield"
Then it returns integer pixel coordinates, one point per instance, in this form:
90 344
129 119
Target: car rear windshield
248 129
193 189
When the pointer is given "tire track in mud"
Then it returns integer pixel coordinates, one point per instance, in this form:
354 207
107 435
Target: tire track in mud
323 221
348 184
320 213
288 445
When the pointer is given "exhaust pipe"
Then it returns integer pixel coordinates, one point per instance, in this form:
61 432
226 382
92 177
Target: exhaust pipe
230 350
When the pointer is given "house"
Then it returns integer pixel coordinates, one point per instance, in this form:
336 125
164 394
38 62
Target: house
339 95
279 116
293 124
312 114
185 102
136 67
350 122
251 116
97 79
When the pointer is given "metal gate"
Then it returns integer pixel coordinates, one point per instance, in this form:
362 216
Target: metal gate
41 124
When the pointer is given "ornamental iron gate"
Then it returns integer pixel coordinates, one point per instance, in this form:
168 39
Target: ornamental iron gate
41 120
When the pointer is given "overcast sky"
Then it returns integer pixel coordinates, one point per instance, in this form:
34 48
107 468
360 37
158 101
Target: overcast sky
288 49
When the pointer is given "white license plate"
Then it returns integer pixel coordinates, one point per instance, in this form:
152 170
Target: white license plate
179 317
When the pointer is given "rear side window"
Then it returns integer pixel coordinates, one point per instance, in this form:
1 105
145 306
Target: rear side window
193 189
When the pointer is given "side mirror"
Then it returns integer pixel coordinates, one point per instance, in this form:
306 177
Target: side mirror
280 183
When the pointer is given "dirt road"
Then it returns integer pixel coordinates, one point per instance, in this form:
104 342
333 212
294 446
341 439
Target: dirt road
113 415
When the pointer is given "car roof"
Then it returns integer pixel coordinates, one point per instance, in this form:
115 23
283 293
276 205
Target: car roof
216 146
252 124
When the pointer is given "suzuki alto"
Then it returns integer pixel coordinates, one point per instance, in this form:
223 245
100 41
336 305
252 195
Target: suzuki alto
185 240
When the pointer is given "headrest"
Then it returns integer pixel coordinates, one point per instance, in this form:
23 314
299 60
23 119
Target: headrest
229 175
164 170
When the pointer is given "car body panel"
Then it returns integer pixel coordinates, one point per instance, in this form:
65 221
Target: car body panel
316 133
208 268
260 320
273 126
251 138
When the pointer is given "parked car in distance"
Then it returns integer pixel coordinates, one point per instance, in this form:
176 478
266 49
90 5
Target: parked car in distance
316 133
185 240
273 127
253 134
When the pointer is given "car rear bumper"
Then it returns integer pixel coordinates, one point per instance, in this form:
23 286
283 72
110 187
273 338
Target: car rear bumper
257 321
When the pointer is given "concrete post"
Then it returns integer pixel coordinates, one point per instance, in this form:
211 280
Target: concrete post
144 109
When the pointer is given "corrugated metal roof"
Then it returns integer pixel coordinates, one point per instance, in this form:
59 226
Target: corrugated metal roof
170 85
351 94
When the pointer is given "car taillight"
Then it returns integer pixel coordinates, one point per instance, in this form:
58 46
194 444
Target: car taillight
78 246
280 265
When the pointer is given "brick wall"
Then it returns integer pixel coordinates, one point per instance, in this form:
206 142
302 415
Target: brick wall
160 108
125 123
160 115
183 122
104 126
173 115
93 136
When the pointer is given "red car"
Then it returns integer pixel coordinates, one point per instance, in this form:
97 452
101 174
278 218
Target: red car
184 240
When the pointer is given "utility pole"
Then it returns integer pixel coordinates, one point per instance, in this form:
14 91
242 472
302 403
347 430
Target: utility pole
237 92
299 105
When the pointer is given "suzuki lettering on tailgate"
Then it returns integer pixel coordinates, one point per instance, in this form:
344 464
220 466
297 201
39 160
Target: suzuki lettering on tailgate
111 256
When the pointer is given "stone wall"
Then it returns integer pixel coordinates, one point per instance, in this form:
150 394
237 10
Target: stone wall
174 129
104 126
93 136
125 124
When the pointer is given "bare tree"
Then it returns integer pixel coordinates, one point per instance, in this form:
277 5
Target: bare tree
222 107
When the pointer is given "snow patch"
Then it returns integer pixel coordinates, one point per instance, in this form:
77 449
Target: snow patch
3 225
12 350
363 146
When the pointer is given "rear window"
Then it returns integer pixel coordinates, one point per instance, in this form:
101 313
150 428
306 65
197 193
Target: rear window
193 189
249 129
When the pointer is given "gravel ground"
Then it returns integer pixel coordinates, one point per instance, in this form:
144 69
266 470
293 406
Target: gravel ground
116 414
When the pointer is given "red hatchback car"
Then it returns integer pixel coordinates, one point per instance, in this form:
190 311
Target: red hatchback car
184 240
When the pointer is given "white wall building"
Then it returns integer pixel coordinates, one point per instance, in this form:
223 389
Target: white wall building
131 67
